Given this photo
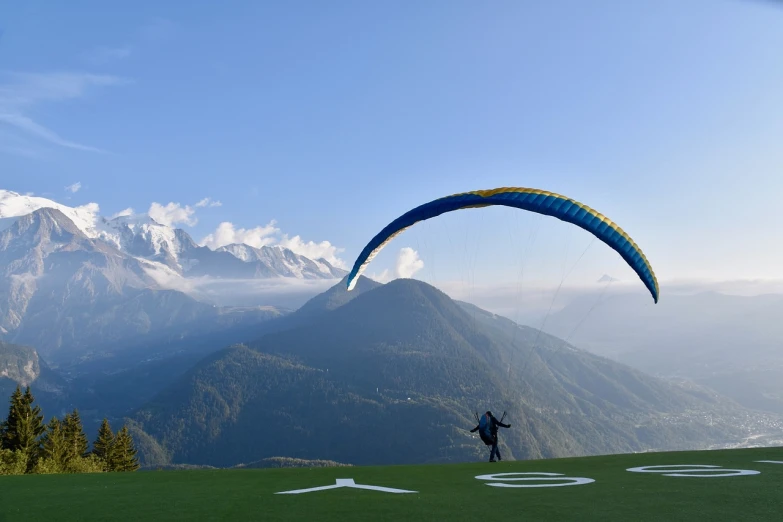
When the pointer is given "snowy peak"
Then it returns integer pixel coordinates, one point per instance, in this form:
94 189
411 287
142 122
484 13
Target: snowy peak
282 262
142 236
14 206
50 268
27 247
47 224
70 278
39 233
242 252
186 242
137 235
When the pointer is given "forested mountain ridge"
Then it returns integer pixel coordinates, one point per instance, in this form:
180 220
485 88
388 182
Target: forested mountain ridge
394 375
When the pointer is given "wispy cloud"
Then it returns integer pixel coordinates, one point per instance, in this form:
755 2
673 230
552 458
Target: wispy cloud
20 93
125 212
23 90
207 202
74 188
32 128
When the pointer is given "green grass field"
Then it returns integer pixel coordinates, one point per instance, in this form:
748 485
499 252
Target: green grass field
443 492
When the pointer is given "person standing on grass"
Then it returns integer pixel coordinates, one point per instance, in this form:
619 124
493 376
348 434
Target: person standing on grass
488 431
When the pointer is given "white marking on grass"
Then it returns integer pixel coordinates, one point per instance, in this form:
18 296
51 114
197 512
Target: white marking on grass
533 477
688 470
345 483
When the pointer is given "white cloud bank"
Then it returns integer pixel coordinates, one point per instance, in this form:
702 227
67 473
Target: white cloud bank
268 235
285 292
314 250
227 234
407 264
173 214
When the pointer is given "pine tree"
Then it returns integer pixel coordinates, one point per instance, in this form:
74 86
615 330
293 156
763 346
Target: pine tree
75 439
8 435
103 447
54 447
124 454
29 428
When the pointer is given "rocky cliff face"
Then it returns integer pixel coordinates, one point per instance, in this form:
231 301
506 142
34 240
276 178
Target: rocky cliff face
21 365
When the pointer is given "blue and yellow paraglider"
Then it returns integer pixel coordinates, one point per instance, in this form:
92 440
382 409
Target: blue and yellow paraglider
534 200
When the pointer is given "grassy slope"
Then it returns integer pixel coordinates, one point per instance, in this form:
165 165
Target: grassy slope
446 492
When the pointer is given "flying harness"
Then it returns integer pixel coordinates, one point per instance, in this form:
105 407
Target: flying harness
485 428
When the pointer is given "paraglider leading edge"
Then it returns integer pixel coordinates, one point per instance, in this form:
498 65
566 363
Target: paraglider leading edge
534 200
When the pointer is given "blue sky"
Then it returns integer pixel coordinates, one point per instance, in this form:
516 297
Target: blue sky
332 118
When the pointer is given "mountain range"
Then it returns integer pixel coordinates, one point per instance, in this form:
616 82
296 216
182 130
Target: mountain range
72 282
394 373
142 237
384 374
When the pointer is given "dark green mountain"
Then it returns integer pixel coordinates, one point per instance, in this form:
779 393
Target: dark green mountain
327 301
394 376
335 297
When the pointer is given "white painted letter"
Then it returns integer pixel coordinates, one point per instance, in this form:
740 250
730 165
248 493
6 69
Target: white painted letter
533 477
686 470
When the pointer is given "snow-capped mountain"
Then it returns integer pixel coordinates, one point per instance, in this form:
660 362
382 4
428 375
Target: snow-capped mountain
142 237
59 287
71 279
282 261
13 206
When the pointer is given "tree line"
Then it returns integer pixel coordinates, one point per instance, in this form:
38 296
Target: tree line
28 446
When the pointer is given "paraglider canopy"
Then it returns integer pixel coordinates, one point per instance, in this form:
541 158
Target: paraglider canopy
534 200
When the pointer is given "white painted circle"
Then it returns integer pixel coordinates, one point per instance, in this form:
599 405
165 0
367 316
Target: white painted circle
693 470
533 477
